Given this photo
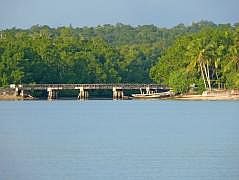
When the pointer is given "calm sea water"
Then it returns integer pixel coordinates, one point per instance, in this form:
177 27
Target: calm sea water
119 140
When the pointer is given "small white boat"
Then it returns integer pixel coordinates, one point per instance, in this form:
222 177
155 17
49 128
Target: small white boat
153 95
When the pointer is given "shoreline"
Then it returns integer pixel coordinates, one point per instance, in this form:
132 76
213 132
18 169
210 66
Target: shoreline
202 97
10 97
182 97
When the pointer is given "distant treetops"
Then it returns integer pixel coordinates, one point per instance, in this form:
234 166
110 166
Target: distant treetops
204 55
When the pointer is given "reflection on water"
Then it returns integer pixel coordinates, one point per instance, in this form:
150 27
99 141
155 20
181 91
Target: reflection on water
118 140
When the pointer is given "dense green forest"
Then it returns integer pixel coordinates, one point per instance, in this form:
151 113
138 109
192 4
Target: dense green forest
203 54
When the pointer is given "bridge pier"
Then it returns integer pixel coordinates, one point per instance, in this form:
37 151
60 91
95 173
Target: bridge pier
22 93
83 94
19 92
52 93
147 90
118 93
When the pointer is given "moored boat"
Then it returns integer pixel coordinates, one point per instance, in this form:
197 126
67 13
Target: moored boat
153 95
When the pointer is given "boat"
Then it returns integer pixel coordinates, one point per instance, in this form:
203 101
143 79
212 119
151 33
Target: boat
153 95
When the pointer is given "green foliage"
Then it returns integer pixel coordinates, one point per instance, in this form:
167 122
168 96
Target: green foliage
179 82
209 57
121 53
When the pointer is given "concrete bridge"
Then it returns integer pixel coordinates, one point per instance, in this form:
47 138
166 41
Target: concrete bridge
117 89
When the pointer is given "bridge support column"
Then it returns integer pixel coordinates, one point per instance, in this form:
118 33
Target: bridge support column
147 90
83 94
17 92
52 93
118 93
22 93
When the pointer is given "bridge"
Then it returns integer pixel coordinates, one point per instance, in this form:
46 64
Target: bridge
117 89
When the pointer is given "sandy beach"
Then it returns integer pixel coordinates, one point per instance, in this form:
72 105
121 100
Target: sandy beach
201 97
10 97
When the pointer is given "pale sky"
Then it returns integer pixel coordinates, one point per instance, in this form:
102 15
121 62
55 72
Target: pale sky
164 13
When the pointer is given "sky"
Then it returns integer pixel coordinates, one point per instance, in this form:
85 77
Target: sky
78 13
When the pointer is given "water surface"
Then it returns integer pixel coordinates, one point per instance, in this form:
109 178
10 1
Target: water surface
119 140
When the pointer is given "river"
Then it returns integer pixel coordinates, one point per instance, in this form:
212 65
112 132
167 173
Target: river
119 140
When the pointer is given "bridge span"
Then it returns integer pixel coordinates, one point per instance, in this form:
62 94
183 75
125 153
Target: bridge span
117 89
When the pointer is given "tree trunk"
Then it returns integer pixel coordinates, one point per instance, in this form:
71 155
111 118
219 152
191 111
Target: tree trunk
208 77
201 68
203 77
206 71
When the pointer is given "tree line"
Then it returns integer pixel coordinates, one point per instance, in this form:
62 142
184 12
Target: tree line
204 54
207 59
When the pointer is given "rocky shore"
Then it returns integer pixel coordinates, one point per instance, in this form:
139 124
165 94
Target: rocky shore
9 94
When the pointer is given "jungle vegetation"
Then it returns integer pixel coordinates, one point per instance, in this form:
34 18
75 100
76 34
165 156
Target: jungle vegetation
204 55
